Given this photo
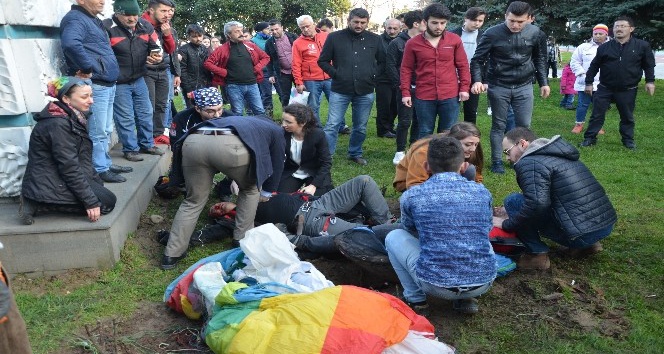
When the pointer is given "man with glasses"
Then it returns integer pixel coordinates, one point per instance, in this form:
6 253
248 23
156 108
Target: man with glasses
621 63
560 199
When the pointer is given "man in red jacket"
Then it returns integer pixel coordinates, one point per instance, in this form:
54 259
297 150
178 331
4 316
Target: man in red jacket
442 72
238 65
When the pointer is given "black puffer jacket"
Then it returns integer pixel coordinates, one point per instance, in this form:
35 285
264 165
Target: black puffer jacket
60 160
511 58
194 75
557 185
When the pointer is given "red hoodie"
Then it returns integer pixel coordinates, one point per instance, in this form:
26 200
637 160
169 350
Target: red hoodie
167 42
306 51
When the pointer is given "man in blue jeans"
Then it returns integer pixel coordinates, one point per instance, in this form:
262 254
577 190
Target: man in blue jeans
132 38
88 54
560 199
351 57
451 258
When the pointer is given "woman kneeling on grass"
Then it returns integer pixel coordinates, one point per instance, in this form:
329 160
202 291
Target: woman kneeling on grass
59 176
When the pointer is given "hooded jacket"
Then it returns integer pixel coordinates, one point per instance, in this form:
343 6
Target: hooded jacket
194 75
86 47
557 186
582 56
60 160
306 51
168 45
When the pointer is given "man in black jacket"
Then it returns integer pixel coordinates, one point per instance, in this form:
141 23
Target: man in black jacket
280 49
620 63
470 33
194 54
514 52
406 115
561 199
352 57
132 39
386 94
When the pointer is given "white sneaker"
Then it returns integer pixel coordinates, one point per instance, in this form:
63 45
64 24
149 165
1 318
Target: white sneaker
488 111
398 157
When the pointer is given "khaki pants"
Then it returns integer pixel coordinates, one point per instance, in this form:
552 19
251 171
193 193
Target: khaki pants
202 157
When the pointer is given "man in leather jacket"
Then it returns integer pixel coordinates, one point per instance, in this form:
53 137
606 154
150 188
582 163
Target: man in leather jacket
514 52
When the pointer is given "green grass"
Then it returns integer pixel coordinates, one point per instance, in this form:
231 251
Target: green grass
629 271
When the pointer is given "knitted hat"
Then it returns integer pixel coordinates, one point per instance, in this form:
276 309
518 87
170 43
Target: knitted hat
261 26
126 7
60 86
601 28
206 97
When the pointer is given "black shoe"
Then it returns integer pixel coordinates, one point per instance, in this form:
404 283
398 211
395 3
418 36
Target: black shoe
26 211
588 142
111 177
163 236
131 156
420 308
345 130
498 167
120 169
151 151
170 262
208 234
235 243
358 160
630 145
389 135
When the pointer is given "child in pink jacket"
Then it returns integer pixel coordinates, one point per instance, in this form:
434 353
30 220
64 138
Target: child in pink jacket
567 88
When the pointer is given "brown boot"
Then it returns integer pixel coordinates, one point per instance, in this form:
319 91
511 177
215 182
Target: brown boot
538 261
584 252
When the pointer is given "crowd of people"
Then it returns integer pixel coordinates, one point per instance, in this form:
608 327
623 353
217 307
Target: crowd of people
122 71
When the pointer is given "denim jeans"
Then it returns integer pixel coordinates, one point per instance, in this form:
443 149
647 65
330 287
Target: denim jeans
157 82
316 90
582 105
100 125
548 227
427 110
521 100
132 113
265 89
567 101
245 95
403 249
168 113
361 108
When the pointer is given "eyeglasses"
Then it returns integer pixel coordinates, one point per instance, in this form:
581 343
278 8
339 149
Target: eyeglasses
507 151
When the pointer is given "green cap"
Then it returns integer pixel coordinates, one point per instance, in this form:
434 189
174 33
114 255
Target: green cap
126 7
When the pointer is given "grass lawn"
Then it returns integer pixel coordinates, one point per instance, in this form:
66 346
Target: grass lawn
629 274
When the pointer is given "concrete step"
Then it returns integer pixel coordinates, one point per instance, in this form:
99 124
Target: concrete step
58 242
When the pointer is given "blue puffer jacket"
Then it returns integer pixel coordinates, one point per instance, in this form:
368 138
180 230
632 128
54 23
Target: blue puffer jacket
87 47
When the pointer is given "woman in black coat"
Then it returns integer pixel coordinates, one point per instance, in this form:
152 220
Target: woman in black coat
59 175
308 160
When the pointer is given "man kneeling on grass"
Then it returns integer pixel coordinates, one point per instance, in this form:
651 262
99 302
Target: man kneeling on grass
452 258
561 199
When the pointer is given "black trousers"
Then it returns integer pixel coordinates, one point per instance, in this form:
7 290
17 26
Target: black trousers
407 119
386 108
285 83
553 65
157 82
625 103
106 197
290 184
470 108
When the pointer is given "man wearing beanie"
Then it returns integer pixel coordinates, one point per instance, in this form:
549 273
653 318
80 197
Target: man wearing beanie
88 54
261 37
132 40
580 62
621 64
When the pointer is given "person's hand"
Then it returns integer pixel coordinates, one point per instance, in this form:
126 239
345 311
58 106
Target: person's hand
263 199
650 88
407 101
272 80
166 28
478 88
463 96
300 88
154 58
498 221
94 214
176 81
310 189
179 57
588 90
234 188
79 74
464 167
545 91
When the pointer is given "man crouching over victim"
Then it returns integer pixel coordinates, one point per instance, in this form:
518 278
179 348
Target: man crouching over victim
560 199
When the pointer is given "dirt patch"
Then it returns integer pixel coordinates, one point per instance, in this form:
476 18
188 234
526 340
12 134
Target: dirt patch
562 299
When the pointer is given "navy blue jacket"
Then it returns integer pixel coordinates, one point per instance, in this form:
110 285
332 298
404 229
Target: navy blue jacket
621 66
87 47
263 138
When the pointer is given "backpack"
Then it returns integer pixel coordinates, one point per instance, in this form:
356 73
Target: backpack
361 246
504 242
